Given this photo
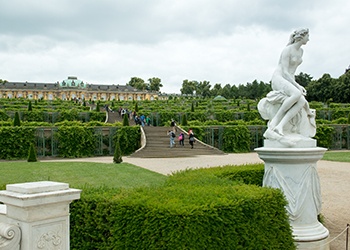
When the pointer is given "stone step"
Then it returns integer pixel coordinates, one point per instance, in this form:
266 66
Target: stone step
158 145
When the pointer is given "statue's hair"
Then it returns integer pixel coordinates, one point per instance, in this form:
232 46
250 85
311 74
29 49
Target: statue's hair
297 35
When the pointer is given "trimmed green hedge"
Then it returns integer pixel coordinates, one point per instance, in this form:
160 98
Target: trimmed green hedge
15 142
194 209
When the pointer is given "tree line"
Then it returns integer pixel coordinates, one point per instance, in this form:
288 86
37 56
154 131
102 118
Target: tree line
324 89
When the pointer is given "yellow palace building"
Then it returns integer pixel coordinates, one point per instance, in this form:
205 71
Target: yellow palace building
73 88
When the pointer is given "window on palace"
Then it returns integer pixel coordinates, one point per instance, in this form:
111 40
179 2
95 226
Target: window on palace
73 83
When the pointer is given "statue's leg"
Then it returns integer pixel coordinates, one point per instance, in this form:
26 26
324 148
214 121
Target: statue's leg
290 114
294 95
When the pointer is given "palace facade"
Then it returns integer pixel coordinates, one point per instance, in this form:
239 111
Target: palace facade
73 88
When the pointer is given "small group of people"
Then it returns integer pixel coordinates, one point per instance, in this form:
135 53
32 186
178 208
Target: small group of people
181 138
142 120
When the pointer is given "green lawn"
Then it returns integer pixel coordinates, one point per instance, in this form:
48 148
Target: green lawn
78 174
342 156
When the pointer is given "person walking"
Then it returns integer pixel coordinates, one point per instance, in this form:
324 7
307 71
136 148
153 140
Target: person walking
172 136
181 139
191 138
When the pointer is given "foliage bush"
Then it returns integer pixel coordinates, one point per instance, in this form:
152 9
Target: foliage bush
324 136
15 142
129 139
3 116
192 210
32 154
75 141
236 139
117 158
125 120
17 120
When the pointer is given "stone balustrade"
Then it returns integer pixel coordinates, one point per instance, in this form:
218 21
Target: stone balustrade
35 215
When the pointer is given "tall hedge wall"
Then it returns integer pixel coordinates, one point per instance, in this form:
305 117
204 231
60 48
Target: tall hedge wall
193 210
15 142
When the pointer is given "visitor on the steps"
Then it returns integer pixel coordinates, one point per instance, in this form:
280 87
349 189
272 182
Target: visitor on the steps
148 121
191 137
172 136
181 139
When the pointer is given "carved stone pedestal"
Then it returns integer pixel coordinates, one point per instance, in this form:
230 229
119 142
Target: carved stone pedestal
294 171
41 210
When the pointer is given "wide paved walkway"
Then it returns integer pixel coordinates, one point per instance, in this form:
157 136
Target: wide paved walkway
334 178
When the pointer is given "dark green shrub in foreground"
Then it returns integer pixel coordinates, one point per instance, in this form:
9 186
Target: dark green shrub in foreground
117 154
15 142
16 121
30 106
125 120
32 154
194 209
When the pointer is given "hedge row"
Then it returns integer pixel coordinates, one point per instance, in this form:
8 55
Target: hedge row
193 210
52 117
73 141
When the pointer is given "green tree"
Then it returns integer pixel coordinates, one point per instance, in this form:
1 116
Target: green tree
126 120
184 120
226 91
216 90
154 84
17 121
3 81
322 89
188 87
136 107
98 107
203 89
30 106
117 158
31 154
303 79
137 83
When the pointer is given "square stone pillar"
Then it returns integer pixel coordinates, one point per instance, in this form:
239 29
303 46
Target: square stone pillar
41 210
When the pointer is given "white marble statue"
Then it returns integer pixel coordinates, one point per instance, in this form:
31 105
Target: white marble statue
285 107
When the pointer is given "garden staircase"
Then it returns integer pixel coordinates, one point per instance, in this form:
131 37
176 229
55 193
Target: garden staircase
157 145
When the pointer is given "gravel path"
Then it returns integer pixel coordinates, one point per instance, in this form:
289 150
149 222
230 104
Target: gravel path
334 177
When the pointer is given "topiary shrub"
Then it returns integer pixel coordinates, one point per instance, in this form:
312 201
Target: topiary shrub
184 120
117 153
30 106
16 121
31 154
125 120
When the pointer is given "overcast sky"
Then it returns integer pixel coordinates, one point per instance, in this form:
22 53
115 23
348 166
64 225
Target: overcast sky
221 41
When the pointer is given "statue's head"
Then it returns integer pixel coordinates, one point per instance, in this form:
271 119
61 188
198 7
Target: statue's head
298 35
